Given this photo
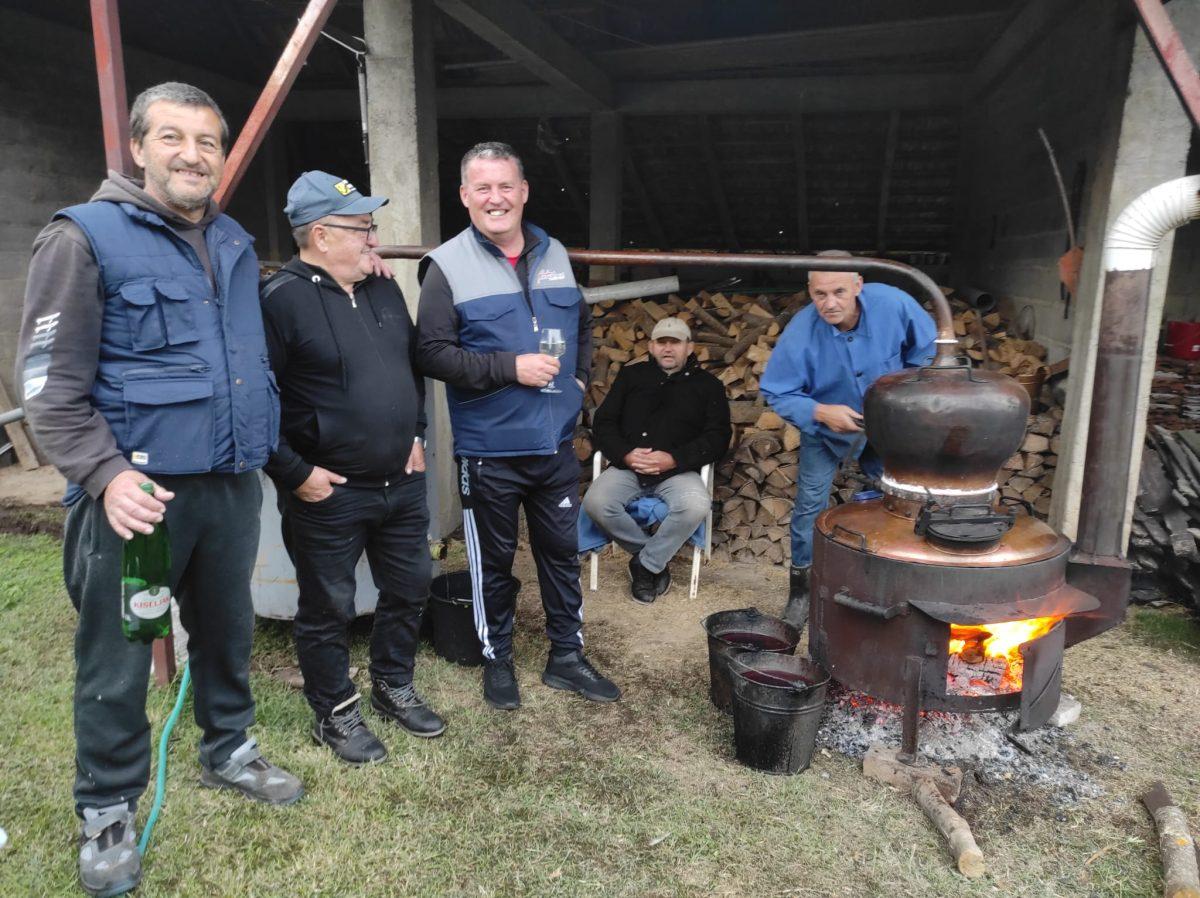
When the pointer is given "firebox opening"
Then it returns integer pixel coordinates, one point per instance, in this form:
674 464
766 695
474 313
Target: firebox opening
985 659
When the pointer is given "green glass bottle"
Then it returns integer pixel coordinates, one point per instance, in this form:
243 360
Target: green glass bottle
146 595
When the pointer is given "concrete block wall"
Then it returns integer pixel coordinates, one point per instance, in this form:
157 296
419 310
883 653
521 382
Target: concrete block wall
52 148
1012 227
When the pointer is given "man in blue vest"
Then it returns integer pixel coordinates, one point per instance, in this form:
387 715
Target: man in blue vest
489 298
828 355
142 360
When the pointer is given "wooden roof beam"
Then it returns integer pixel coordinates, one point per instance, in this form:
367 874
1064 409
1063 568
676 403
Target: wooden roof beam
518 32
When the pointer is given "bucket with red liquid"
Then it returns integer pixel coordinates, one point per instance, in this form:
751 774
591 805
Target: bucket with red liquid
777 705
741 630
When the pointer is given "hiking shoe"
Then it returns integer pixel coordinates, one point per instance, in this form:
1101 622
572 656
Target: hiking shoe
642 583
500 684
404 705
254 776
109 860
662 581
574 673
347 734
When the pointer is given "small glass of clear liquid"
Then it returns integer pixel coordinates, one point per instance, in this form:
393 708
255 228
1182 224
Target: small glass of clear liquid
550 342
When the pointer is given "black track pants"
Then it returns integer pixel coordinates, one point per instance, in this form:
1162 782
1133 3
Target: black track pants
548 487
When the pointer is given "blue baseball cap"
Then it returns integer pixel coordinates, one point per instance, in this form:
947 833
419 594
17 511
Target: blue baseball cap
316 194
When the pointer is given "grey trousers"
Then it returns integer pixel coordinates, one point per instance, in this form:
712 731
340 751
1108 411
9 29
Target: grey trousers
687 500
214 525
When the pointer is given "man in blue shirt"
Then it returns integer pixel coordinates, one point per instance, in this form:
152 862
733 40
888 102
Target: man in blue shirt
831 352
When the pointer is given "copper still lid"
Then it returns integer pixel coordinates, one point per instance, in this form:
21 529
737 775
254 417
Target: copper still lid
943 432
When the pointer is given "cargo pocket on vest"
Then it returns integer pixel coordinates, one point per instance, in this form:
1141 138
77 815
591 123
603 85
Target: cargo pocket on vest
178 314
491 324
146 330
170 423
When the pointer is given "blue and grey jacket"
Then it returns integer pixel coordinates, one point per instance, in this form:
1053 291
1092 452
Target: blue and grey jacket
477 314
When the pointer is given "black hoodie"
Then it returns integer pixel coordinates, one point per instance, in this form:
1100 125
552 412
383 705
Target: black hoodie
349 397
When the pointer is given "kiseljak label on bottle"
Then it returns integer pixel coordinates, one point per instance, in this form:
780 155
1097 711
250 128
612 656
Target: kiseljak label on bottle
150 603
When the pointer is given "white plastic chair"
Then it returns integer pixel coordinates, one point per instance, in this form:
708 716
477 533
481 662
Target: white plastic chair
706 474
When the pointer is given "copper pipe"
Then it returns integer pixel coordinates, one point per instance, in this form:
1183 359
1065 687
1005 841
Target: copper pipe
923 285
291 61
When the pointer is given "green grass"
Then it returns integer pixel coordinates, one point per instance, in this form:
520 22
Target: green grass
564 798
1168 628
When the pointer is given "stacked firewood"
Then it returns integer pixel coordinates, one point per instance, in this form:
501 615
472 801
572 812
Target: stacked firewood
1175 394
988 343
1027 478
1166 518
756 482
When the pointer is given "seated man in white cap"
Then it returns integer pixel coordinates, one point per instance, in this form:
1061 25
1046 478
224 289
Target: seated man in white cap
660 424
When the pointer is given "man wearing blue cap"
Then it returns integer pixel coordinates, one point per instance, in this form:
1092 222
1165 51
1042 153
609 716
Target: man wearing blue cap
350 462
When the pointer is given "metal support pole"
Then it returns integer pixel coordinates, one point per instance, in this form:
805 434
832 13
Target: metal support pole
308 29
1173 55
110 75
913 669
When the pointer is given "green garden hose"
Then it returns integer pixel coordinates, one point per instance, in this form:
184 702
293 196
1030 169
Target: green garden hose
160 786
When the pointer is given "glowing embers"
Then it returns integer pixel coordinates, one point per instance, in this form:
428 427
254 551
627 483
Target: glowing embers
986 659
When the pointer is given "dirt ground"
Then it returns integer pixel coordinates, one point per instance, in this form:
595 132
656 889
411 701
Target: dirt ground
41 486
1139 722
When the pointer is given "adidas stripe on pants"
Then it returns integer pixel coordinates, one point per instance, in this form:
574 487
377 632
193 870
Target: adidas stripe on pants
492 489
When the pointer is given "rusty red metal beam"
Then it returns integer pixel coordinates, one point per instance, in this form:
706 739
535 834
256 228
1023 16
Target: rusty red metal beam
1173 54
308 29
110 74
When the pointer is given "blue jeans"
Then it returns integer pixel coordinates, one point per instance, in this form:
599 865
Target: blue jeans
818 467
687 500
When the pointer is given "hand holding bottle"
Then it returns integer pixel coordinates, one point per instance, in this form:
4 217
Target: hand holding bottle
131 510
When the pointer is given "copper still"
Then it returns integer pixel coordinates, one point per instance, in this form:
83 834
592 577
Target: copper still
899 582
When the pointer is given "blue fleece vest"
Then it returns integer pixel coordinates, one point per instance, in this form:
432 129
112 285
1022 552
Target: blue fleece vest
183 378
493 316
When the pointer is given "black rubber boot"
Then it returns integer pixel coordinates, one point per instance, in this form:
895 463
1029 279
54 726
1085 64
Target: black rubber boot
796 612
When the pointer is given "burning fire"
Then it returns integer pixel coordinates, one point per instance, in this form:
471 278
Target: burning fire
987 656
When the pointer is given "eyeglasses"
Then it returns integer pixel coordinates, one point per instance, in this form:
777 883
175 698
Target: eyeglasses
371 231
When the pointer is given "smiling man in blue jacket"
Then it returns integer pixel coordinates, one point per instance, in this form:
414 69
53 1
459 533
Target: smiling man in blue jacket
143 362
831 352
486 297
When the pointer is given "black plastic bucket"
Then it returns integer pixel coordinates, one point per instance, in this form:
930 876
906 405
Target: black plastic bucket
741 630
777 705
453 619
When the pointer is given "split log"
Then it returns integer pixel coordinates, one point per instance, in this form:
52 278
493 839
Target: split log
952 826
1181 878
711 322
745 340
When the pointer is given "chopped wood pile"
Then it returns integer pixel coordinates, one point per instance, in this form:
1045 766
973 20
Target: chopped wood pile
1175 394
1166 517
756 483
